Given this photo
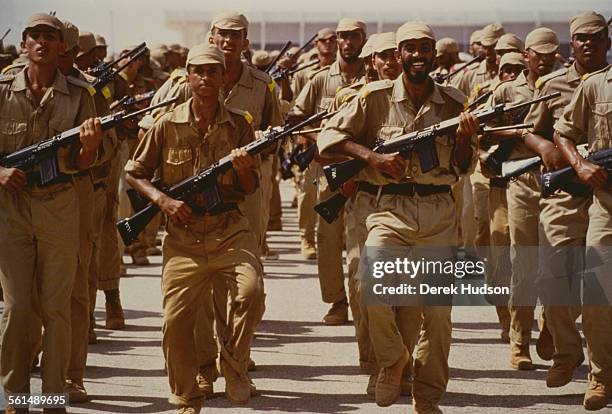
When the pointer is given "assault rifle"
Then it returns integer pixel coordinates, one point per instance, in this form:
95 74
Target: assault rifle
514 168
272 64
128 100
105 77
205 181
439 78
422 141
555 180
44 153
103 67
283 73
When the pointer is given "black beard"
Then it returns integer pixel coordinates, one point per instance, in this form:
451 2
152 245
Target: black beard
420 77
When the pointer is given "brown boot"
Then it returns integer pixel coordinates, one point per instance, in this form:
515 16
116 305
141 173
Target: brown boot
597 395
544 345
308 250
425 407
371 388
76 392
389 382
251 366
559 375
12 410
237 387
114 312
503 314
206 378
520 358
337 314
184 409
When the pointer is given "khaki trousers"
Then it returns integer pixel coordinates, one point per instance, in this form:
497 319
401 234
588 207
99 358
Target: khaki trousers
414 221
276 210
480 197
500 269
39 241
307 198
214 250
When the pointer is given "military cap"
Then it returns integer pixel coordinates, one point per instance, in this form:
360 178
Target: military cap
475 36
87 41
71 35
43 19
230 20
368 48
446 45
261 58
205 53
347 25
175 48
100 41
510 41
512 58
542 40
325 33
588 22
384 41
491 34
413 30
274 53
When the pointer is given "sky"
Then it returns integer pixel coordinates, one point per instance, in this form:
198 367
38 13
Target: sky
126 22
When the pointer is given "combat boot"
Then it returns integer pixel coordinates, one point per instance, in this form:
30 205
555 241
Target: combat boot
76 392
559 375
425 407
371 388
597 395
308 250
520 358
206 378
237 388
389 382
337 314
544 345
13 410
188 410
114 312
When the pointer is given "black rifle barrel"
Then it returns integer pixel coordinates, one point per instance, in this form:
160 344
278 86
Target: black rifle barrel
5 34
449 75
280 55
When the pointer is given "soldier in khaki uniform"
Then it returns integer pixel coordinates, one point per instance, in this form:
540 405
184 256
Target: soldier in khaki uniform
306 189
563 216
39 236
317 95
447 55
203 249
588 118
384 110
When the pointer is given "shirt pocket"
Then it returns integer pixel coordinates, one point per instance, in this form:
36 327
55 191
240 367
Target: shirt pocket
444 146
178 165
602 126
12 135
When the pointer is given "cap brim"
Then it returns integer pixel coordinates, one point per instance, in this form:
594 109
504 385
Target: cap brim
203 61
544 49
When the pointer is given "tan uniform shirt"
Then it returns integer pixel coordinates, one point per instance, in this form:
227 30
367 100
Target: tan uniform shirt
467 81
544 114
23 122
588 117
515 91
301 78
176 148
383 110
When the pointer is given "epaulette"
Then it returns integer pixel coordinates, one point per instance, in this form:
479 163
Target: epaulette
177 73
81 83
376 86
245 114
453 93
588 75
501 83
5 77
315 72
14 68
543 79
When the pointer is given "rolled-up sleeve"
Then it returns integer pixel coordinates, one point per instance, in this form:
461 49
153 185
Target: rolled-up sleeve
348 123
148 155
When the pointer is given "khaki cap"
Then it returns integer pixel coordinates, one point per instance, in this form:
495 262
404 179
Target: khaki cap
230 20
274 53
588 22
384 41
347 25
542 40
43 19
71 35
476 36
512 58
87 41
368 48
510 41
491 34
325 33
446 45
413 30
261 58
160 46
100 41
205 53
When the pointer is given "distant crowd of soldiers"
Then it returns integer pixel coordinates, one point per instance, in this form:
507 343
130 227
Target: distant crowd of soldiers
59 243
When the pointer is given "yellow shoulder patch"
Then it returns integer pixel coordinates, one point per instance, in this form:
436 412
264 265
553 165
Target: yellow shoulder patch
248 117
588 75
82 83
106 92
271 85
246 114
375 86
543 79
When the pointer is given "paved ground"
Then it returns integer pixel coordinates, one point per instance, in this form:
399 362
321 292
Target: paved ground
304 366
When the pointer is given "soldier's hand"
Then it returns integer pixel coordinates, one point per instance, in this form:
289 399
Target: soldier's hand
91 134
176 211
593 175
13 179
390 164
241 160
468 126
552 159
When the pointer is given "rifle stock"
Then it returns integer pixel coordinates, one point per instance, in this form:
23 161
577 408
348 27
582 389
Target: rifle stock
330 209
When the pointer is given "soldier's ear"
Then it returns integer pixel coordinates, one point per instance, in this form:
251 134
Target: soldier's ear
246 44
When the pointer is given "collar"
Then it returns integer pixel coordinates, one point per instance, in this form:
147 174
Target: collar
21 83
521 79
572 73
183 114
246 77
400 93
334 69
482 68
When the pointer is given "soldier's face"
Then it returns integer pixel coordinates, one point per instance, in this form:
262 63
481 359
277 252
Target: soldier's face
540 63
370 69
591 49
350 44
66 59
43 44
490 54
231 42
510 72
417 58
327 46
205 80
476 49
387 64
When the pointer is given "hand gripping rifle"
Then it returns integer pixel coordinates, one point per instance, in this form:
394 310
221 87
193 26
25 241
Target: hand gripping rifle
205 181
44 153
422 141
555 180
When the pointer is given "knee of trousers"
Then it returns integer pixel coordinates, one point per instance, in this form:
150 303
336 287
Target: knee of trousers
250 292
